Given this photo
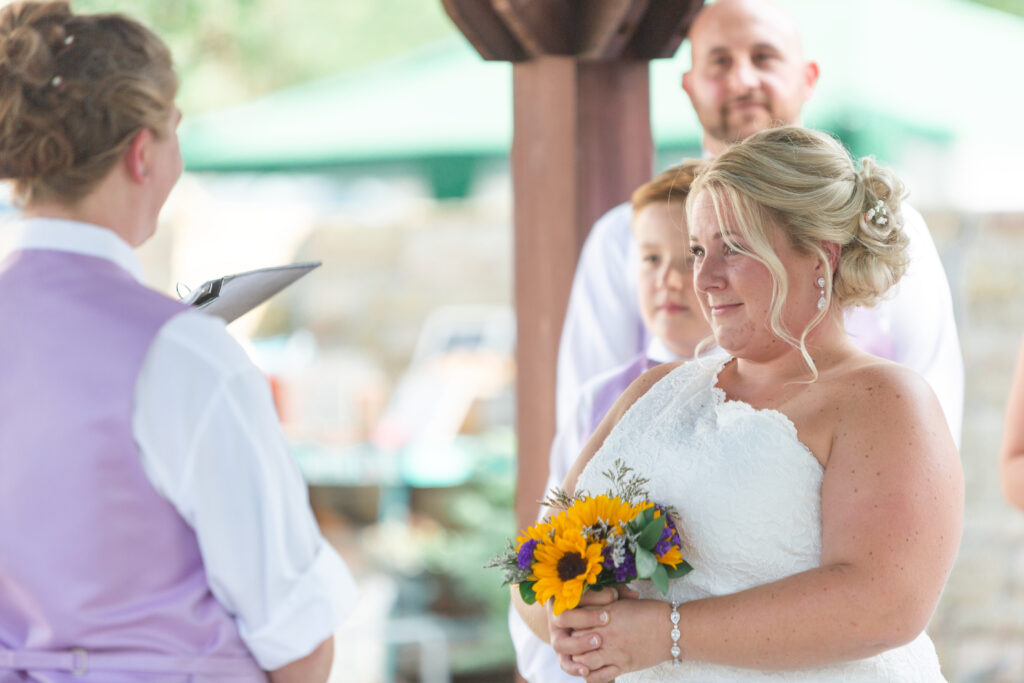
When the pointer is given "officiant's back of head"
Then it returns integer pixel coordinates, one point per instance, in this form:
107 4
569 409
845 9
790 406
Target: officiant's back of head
75 90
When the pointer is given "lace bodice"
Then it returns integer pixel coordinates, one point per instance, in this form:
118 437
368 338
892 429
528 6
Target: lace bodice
748 494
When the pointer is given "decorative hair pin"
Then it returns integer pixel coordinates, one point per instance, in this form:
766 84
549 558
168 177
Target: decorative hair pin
58 80
877 214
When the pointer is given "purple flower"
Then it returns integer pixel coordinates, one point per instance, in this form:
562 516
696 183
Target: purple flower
669 535
625 571
665 543
525 557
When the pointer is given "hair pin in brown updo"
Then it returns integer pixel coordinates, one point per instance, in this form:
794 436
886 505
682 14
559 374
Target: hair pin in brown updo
58 80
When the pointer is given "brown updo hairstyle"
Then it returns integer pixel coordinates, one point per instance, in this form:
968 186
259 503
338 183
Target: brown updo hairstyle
805 183
74 92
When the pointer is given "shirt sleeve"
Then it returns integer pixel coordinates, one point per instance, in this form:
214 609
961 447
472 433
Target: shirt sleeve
570 438
602 327
210 442
536 661
923 328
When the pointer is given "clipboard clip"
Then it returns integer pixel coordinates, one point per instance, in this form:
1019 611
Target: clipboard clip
207 293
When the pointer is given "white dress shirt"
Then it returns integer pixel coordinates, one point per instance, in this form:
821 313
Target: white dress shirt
210 443
603 328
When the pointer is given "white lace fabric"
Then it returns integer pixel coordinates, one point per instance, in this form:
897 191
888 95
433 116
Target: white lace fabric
748 494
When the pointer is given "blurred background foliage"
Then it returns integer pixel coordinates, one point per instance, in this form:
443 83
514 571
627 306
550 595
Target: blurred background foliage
1012 6
228 51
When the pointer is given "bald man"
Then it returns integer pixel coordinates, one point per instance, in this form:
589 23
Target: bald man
748 73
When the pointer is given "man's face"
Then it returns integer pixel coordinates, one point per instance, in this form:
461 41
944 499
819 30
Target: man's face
748 71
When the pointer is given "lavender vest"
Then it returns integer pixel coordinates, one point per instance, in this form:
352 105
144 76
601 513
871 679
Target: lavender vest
98 572
611 386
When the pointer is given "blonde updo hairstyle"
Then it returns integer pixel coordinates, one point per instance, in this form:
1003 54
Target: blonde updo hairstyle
74 92
805 183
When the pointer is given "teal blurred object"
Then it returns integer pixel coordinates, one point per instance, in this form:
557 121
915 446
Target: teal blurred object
438 111
894 73
488 455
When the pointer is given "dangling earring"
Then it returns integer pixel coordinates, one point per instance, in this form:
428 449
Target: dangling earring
821 299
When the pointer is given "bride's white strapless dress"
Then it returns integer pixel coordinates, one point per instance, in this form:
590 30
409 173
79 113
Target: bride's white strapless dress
748 494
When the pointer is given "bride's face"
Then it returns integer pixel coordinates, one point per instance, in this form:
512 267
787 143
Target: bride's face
735 289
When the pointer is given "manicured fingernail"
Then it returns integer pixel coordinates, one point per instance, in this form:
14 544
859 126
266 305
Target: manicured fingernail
593 641
604 617
581 671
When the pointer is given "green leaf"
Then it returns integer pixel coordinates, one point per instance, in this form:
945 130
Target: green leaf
682 569
651 533
660 579
526 591
646 563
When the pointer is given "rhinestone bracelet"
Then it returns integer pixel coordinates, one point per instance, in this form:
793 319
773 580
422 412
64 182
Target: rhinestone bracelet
675 634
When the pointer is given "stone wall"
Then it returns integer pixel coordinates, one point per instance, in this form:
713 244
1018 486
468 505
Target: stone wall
979 625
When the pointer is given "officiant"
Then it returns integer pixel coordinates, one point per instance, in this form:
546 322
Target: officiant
153 524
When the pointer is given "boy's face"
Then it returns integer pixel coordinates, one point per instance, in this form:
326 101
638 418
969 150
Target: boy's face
668 303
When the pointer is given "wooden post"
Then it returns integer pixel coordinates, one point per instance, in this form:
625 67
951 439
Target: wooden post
581 145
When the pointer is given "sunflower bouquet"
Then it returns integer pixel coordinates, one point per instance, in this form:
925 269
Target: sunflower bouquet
592 542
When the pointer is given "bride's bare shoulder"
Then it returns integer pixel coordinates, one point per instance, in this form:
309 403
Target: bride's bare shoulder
872 389
870 375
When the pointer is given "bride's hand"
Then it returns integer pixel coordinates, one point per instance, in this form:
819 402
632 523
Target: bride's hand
635 636
565 628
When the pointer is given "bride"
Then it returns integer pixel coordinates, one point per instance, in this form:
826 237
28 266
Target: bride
819 492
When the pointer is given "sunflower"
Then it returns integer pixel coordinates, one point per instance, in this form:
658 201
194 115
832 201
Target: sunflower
672 557
563 565
540 532
613 511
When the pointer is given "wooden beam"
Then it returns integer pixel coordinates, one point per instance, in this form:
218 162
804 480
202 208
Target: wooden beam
542 27
581 144
662 29
607 27
484 29
516 30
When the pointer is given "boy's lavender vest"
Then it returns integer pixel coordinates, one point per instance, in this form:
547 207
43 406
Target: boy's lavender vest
98 572
611 387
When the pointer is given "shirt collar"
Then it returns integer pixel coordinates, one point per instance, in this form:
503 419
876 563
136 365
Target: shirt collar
78 238
658 352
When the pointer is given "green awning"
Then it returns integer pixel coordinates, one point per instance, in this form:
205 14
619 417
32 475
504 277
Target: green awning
894 72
